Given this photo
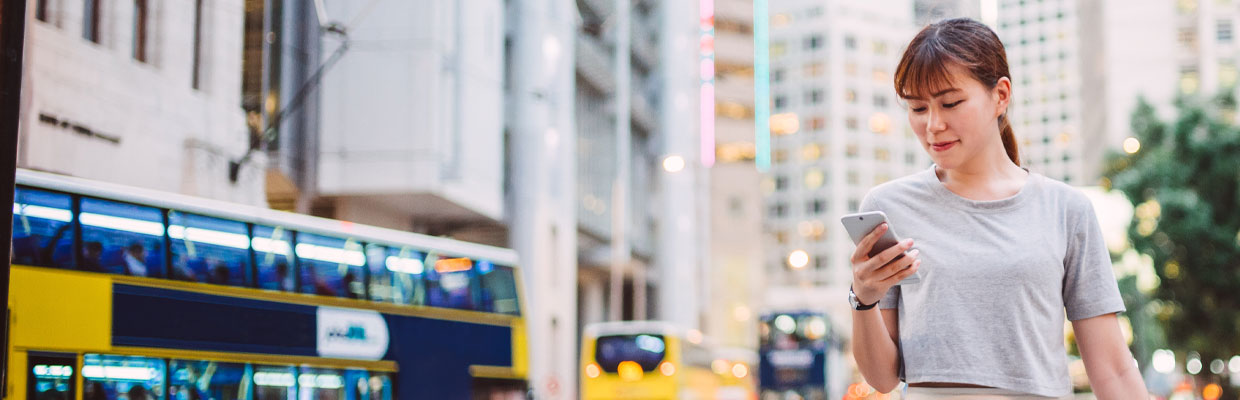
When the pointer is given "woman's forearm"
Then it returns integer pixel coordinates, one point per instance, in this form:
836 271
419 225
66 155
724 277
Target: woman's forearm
875 351
1127 385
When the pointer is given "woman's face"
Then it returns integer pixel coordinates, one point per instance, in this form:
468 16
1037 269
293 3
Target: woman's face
959 123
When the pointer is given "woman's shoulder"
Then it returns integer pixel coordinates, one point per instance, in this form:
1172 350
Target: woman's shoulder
912 185
1069 197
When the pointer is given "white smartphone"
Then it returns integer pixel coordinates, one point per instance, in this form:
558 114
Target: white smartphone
860 224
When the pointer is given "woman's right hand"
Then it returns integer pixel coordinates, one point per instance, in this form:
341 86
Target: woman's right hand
873 276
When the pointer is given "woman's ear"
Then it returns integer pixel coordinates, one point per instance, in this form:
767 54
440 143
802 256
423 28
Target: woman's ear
1003 93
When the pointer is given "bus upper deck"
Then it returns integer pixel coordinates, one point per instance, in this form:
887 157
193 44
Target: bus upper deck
104 272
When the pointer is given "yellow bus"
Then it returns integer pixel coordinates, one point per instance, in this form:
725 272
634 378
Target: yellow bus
120 293
645 360
737 370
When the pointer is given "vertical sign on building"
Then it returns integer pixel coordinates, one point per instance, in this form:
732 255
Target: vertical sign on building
707 59
761 85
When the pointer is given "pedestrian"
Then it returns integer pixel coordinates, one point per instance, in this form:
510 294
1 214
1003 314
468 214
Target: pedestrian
1004 254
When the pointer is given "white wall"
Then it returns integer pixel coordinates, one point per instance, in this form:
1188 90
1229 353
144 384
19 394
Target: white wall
405 113
169 136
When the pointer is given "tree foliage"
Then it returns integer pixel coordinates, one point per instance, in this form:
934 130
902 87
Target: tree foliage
1185 183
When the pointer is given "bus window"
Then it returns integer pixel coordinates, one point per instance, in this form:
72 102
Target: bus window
206 249
131 237
646 350
398 274
202 380
499 289
111 377
51 377
449 285
42 230
330 266
273 256
379 284
379 387
366 385
321 384
274 383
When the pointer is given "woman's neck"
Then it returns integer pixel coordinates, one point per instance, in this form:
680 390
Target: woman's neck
984 178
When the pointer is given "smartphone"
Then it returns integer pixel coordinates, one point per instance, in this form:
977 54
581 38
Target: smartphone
860 224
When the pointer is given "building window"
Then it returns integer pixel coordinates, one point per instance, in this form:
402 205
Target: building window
778 210
850 123
853 178
1188 37
850 42
850 96
811 152
779 156
813 42
910 159
882 154
90 22
778 49
780 102
815 69
140 13
818 206
197 78
880 76
1189 81
817 123
40 10
813 96
777 75
814 179
1227 74
880 101
781 183
853 205
880 48
1224 31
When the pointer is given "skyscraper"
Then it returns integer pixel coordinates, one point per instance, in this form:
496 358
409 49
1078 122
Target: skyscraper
838 129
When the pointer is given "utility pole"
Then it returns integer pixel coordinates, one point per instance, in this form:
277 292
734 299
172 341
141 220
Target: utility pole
12 44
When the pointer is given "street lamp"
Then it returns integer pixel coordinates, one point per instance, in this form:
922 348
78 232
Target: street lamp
798 259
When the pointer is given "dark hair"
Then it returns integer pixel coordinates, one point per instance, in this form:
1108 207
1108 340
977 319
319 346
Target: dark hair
965 42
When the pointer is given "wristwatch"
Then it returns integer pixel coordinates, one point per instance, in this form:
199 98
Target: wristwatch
856 304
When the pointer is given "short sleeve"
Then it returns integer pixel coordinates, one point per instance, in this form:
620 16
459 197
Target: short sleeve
890 300
1089 286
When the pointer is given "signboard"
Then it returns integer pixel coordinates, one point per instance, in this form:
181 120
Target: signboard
355 334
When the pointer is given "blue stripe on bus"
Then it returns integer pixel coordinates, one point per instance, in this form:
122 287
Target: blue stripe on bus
433 355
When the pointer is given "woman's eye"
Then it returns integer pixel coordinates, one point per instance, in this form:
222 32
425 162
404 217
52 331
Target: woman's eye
919 109
950 105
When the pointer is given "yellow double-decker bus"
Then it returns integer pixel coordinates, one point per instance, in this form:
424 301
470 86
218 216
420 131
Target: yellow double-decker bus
119 293
645 360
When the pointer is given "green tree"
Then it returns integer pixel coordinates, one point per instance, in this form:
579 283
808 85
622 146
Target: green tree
1185 184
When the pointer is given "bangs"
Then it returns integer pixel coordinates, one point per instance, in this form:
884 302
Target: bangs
924 69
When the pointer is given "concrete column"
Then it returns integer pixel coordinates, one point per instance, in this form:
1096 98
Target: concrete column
677 257
542 223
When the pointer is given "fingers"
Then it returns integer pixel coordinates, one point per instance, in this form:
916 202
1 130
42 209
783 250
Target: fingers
892 252
867 242
905 273
895 266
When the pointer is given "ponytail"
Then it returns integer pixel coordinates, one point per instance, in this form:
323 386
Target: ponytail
1009 139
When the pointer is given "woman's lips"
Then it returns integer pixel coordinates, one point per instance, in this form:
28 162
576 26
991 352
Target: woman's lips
943 146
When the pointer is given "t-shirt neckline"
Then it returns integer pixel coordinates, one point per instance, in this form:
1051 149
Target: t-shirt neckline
931 179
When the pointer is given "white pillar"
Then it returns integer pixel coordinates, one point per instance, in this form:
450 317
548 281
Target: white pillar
677 257
542 218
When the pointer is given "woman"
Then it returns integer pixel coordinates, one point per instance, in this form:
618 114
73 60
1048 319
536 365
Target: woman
1004 252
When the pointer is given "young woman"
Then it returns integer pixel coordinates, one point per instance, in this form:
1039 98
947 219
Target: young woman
1005 254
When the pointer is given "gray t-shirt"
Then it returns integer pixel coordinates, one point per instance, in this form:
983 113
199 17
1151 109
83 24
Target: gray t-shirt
997 277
